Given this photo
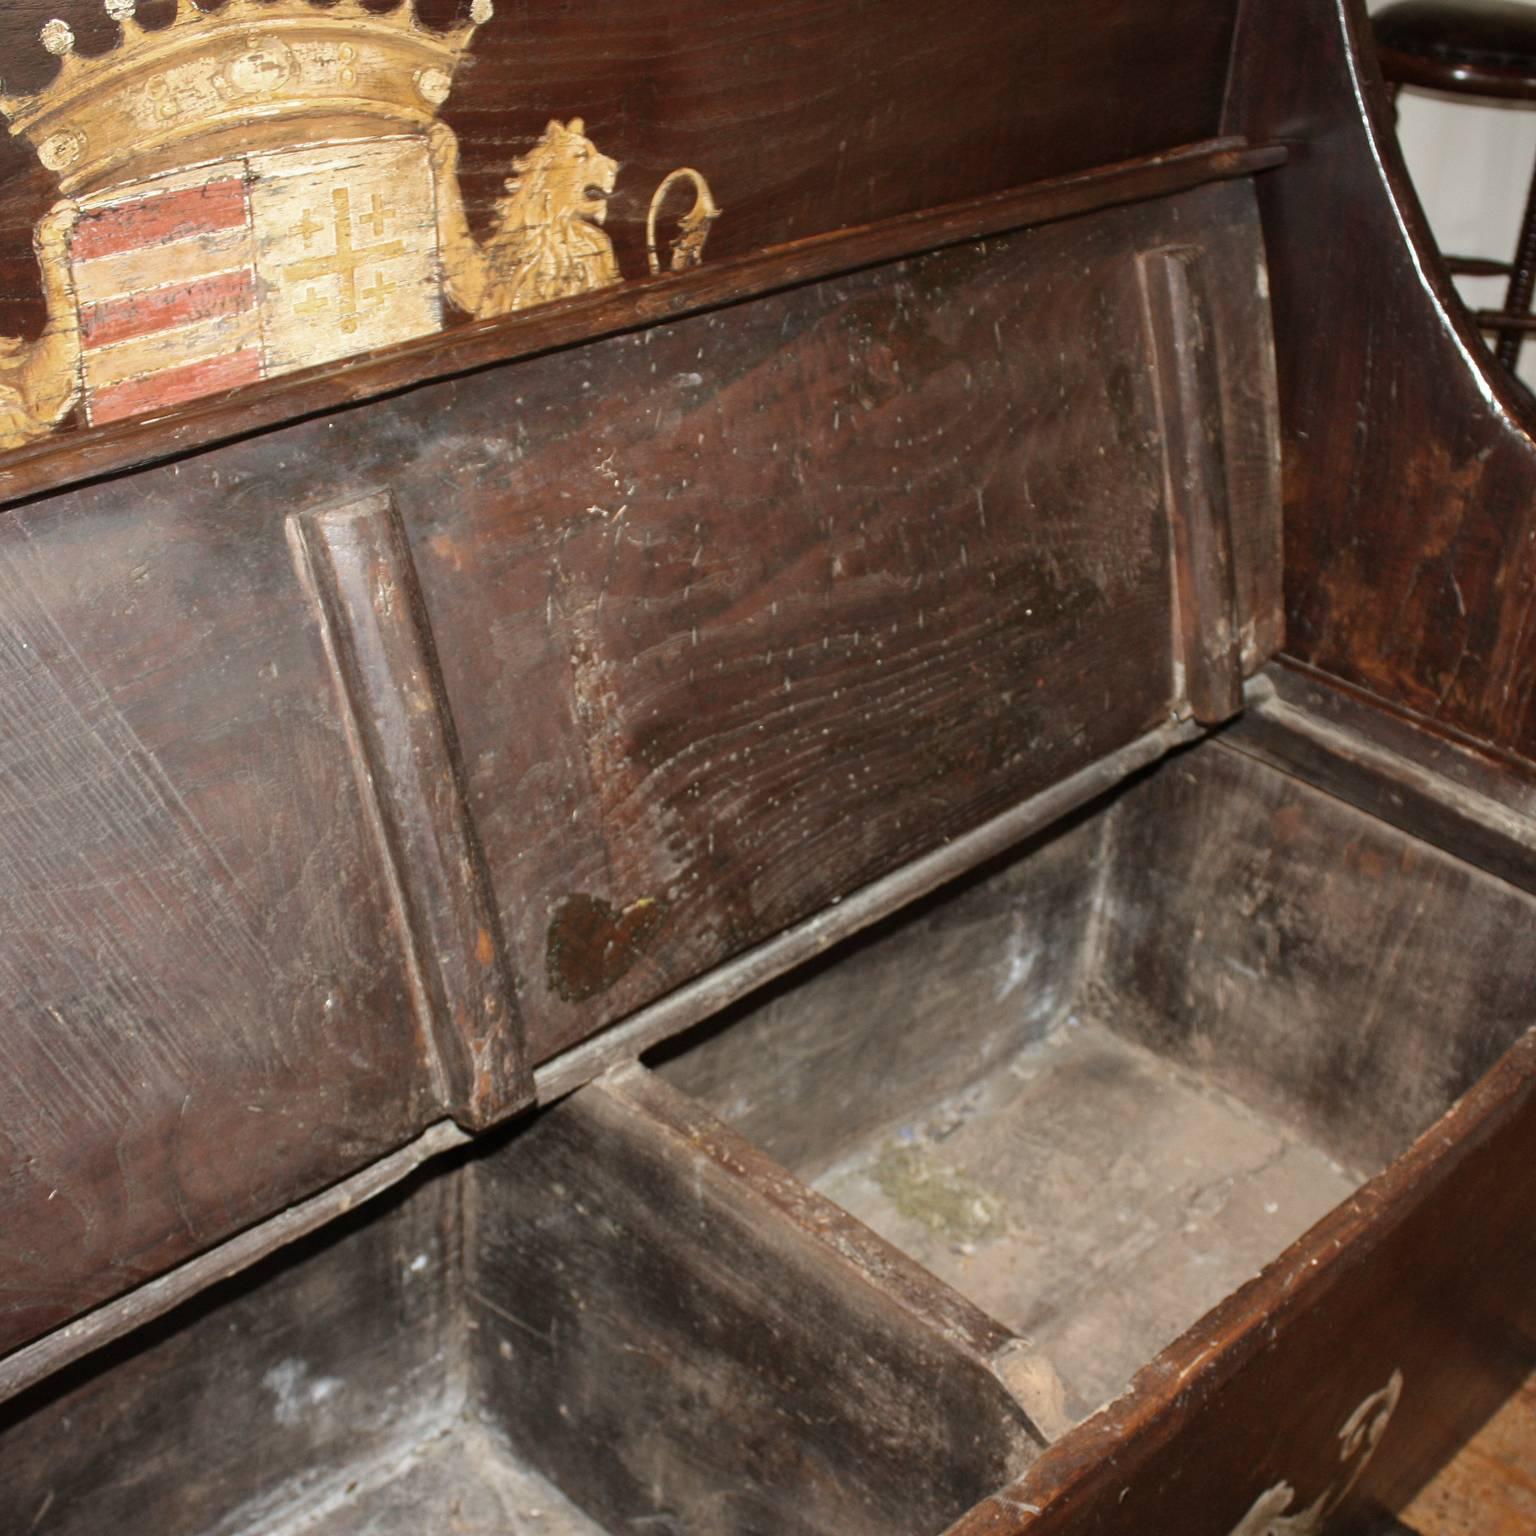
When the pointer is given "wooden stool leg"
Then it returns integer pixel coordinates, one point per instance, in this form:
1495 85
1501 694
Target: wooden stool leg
1521 283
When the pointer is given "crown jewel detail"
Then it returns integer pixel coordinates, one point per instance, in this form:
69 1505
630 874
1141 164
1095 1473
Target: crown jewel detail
249 59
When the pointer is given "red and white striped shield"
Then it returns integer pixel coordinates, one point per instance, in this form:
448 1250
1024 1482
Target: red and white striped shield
195 282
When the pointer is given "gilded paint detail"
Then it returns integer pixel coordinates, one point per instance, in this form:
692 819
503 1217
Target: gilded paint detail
332 224
40 380
1358 1441
346 249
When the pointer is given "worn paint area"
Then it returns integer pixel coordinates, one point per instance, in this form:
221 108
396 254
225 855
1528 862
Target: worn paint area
253 267
228 220
1358 1440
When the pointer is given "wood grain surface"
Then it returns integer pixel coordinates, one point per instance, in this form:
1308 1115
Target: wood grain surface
1410 459
357 567
188 1040
1490 1488
817 590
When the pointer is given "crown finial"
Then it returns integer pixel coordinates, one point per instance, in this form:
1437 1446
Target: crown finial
282 62
57 37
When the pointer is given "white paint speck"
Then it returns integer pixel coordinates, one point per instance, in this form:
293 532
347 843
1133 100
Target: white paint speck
295 1392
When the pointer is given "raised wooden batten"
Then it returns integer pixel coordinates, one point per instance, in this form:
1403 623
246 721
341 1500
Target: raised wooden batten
1206 619
356 564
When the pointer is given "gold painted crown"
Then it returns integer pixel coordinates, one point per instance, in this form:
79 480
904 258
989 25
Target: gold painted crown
210 70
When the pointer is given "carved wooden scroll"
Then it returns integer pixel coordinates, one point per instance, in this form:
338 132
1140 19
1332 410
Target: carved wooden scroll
1189 400
357 566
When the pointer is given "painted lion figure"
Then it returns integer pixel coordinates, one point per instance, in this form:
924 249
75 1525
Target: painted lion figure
548 241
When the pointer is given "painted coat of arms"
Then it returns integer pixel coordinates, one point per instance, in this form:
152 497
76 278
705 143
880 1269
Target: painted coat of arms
267 186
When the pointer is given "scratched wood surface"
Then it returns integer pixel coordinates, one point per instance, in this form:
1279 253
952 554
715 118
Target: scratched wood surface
909 110
253 1397
187 1035
821 583
733 616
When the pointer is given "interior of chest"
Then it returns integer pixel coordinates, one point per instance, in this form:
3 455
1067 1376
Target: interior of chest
1081 1096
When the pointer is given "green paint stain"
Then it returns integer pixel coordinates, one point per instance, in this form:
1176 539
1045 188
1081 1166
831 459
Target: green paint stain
937 1196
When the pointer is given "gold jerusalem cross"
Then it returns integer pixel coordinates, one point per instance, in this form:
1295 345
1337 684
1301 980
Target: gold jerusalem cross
346 262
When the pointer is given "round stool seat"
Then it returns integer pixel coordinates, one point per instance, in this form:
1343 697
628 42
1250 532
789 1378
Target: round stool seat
1475 48
1482 47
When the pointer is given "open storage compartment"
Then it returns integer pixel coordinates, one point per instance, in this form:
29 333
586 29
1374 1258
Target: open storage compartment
1100 1086
1079 1098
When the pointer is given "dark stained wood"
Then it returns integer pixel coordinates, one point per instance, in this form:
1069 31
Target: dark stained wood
1476 47
922 1006
1259 934
53 464
675 1332
577 1067
1478 805
744 715
26 1367
1503 319
739 608
358 569
254 1395
806 942
1284 945
1190 407
955 1082
1410 465
733 620
1499 85
204 1014
1427 1272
